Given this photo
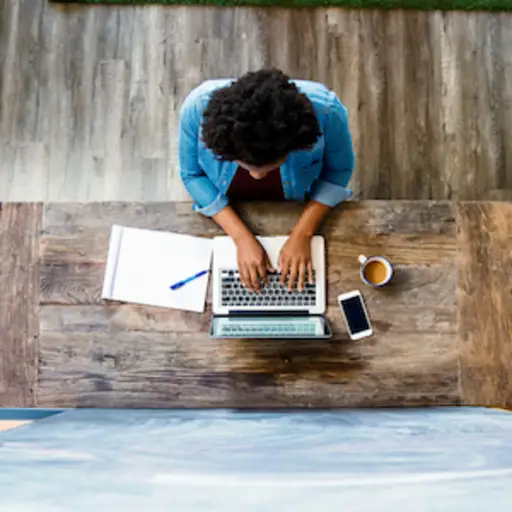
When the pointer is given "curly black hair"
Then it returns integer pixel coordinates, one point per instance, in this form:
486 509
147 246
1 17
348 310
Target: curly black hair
259 119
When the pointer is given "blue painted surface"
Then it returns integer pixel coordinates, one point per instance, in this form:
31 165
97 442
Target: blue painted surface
27 414
424 460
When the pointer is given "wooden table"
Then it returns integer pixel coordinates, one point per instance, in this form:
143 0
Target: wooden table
443 328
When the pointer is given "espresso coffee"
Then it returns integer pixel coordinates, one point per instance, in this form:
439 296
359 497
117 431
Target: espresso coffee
376 272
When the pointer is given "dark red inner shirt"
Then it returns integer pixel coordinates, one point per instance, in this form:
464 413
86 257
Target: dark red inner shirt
245 188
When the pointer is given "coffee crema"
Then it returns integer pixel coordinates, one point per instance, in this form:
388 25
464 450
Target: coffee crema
376 272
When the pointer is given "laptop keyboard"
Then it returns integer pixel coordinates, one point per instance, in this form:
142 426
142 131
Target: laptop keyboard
272 328
273 293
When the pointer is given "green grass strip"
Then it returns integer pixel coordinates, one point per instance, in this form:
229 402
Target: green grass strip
443 5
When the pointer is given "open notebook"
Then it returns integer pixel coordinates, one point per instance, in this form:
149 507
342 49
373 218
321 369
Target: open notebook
142 265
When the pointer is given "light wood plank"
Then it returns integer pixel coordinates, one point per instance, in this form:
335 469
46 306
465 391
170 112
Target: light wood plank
96 91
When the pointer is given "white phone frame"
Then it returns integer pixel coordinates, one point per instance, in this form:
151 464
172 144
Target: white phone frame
350 295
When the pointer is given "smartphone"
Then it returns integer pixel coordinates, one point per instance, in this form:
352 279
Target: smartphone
355 314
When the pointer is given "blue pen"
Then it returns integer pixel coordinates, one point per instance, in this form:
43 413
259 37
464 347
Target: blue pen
179 284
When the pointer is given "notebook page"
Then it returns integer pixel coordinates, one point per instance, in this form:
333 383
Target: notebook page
149 262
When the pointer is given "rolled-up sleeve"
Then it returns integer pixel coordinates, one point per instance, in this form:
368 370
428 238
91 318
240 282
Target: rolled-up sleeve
339 159
208 200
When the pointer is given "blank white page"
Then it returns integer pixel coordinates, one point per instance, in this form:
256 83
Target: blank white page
142 266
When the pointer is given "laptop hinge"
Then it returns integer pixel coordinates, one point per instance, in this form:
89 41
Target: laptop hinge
262 312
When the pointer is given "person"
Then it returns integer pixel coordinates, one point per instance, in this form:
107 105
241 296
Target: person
266 137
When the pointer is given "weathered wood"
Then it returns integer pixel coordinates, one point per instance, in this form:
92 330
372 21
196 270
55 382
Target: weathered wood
415 249
160 358
73 219
412 285
460 106
128 369
442 327
371 109
369 217
114 318
20 226
485 297
429 94
418 237
500 195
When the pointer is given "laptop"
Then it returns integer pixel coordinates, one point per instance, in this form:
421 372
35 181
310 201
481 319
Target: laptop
274 312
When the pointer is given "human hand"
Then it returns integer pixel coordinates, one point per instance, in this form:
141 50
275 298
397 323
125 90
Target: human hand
295 261
253 263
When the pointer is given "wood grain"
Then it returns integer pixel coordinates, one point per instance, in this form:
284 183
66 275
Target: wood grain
90 95
485 296
111 354
127 369
19 284
115 318
418 237
442 327
369 217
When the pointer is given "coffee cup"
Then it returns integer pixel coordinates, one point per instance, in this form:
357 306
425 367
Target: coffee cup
376 271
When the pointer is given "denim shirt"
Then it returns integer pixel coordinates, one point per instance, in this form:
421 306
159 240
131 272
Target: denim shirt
321 173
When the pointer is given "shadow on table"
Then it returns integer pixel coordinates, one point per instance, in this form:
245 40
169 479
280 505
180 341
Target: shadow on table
323 360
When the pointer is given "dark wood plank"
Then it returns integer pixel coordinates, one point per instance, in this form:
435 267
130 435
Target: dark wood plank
485 297
128 369
20 226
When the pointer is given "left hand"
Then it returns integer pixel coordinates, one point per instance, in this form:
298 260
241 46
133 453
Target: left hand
295 261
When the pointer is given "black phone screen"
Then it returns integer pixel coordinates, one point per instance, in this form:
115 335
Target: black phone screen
355 314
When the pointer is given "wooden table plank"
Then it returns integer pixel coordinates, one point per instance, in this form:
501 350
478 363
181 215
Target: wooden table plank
372 216
19 301
485 297
114 318
75 238
150 357
137 369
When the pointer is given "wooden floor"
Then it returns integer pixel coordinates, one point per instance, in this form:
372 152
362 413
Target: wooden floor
442 329
89 95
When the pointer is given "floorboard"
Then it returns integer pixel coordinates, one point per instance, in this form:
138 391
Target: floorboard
89 96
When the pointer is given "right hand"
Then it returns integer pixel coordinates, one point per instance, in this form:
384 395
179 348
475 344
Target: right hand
253 263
